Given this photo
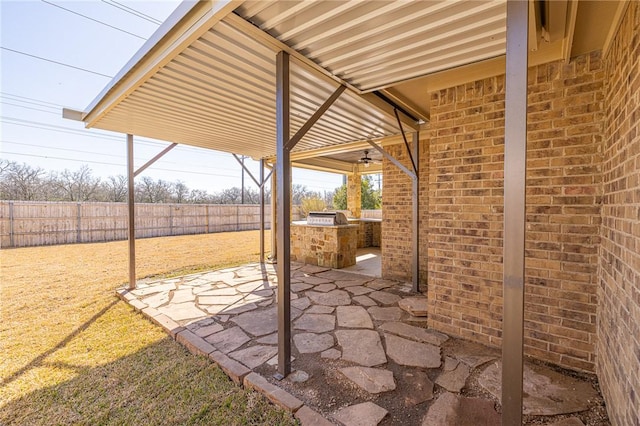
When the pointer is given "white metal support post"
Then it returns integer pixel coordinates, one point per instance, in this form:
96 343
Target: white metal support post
515 164
132 216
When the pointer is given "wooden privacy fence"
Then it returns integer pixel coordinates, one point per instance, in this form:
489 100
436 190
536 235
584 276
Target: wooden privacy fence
35 223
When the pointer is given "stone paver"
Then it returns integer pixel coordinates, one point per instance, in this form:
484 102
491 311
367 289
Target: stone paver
546 392
145 291
207 330
157 300
414 333
318 323
320 309
308 343
194 344
362 347
332 298
228 340
384 298
331 354
254 356
454 380
416 306
182 311
421 387
453 410
219 300
385 314
301 303
196 309
258 323
365 414
183 295
297 287
372 380
227 291
271 339
231 367
353 317
380 284
308 417
358 290
364 300
273 393
324 288
571 421
410 353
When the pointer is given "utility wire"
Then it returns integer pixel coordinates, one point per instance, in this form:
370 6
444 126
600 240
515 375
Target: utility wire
121 157
92 19
5 94
54 62
28 107
133 11
118 165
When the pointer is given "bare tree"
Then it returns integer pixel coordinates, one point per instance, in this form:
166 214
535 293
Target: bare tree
116 188
151 191
180 192
76 186
21 181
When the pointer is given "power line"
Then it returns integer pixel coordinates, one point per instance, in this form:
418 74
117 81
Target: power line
94 134
118 165
5 94
92 19
28 107
122 157
55 62
133 11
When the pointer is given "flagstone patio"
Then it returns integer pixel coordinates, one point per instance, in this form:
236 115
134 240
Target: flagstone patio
361 351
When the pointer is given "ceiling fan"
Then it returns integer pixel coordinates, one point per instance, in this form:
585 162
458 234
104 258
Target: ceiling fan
366 160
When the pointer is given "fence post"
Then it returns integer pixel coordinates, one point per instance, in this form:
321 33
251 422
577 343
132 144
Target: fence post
237 218
79 223
171 219
207 217
11 240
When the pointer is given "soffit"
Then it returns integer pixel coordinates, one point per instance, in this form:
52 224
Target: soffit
375 44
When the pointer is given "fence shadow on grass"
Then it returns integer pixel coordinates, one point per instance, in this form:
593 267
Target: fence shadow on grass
39 360
159 384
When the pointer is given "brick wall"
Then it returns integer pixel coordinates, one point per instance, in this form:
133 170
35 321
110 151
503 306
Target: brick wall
619 273
462 226
397 205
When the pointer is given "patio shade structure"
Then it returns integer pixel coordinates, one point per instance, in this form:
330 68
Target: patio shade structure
299 81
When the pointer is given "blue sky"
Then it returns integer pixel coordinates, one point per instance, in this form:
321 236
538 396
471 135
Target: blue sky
33 92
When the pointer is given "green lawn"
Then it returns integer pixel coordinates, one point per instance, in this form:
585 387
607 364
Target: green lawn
74 354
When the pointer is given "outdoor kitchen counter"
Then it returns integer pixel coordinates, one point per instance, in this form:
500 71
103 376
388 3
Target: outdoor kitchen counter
369 231
331 246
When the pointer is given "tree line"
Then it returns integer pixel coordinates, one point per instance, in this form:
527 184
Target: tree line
22 182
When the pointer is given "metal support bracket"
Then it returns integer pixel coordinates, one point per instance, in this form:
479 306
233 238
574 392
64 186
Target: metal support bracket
404 138
397 163
314 118
154 159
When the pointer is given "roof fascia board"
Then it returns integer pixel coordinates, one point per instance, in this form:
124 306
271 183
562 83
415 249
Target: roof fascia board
187 23
268 40
570 30
617 19
325 165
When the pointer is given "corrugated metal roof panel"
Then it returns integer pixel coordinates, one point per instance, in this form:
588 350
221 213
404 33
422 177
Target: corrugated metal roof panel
375 44
219 93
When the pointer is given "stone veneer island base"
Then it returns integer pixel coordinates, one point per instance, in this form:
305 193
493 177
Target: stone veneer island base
322 245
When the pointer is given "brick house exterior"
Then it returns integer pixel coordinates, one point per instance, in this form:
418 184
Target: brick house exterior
582 285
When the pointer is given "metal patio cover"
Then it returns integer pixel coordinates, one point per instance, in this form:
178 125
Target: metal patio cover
207 77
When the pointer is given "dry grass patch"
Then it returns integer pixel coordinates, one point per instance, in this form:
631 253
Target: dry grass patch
73 354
